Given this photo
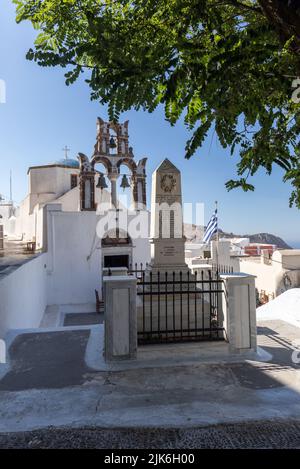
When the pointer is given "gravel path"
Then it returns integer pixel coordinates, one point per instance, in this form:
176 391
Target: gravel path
268 434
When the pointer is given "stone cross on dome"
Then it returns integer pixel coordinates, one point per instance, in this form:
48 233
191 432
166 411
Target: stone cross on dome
66 150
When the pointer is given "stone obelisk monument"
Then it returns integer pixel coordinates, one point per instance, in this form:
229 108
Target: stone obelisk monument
166 234
167 271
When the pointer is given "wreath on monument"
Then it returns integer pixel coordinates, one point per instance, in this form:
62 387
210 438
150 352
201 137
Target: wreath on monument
168 182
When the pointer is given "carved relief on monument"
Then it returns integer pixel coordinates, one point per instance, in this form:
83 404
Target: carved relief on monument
168 183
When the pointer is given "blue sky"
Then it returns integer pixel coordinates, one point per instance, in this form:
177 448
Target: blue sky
42 114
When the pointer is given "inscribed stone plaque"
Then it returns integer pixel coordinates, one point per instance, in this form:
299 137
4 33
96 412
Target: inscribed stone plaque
121 321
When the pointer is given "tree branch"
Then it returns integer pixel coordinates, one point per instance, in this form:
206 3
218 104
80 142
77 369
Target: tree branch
244 6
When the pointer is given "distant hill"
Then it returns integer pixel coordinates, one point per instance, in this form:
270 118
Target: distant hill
194 234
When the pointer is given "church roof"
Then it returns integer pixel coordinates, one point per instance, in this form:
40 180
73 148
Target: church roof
67 162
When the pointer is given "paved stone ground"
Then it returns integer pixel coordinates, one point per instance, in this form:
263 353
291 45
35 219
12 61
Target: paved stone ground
83 319
13 256
280 435
50 385
53 360
47 360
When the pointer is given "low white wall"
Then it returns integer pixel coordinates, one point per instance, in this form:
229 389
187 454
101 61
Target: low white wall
23 296
266 276
74 268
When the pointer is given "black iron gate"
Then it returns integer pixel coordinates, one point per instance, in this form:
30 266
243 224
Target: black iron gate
179 307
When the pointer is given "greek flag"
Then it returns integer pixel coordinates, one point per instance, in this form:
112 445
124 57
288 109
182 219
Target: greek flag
211 228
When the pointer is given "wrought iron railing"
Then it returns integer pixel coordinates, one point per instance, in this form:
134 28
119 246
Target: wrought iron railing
179 306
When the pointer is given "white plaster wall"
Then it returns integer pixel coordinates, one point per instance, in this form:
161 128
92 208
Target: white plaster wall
70 201
196 249
57 180
141 253
29 226
52 179
5 212
22 215
140 224
220 252
270 276
235 263
74 270
75 256
286 259
266 275
23 296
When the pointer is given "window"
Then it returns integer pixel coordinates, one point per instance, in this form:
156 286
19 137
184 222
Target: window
116 261
87 194
74 181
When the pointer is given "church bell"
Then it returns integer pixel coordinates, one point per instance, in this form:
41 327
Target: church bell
101 182
124 183
112 143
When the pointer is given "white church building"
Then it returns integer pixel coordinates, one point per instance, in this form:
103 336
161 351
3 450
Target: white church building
60 217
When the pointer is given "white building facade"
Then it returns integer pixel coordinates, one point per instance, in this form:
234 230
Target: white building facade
62 218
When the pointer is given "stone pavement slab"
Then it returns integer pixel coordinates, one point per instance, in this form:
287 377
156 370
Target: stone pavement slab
83 319
46 360
178 394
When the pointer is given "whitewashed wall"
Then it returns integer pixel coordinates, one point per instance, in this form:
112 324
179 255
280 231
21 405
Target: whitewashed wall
141 253
68 273
271 274
266 277
6 210
23 296
75 256
53 180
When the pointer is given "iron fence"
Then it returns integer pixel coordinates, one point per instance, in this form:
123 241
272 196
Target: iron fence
137 269
179 306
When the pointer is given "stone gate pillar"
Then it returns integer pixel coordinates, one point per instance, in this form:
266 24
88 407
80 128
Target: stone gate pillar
120 321
239 309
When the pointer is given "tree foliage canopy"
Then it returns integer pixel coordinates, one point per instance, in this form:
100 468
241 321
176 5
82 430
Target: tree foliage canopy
225 64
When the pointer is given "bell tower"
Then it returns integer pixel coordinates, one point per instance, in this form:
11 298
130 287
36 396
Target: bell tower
112 150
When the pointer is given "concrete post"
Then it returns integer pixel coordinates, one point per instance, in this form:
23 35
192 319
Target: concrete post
239 309
120 320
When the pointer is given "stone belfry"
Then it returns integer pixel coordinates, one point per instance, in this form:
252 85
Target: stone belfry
112 150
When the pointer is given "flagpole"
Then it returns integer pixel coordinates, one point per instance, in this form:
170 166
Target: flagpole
217 245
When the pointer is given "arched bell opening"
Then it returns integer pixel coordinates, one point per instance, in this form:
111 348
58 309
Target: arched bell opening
127 192
124 188
113 141
102 184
